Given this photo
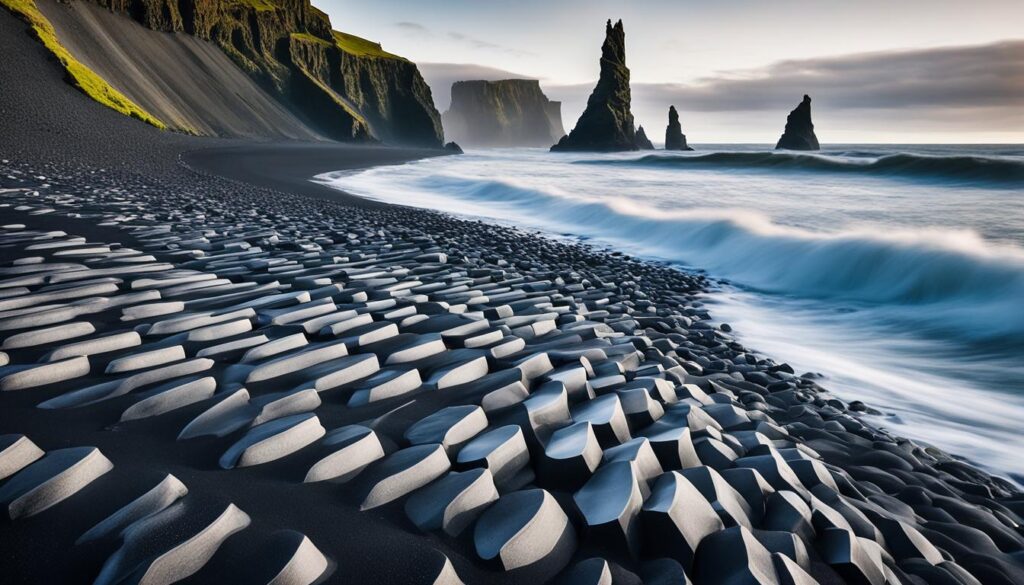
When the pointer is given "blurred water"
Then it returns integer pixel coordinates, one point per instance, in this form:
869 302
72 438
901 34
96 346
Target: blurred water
896 271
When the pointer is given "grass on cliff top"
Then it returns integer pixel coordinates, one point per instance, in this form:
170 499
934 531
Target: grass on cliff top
361 47
310 38
258 5
81 77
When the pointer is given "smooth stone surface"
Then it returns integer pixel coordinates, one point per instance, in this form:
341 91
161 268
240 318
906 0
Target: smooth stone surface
273 440
570 457
524 528
610 503
94 346
306 565
354 447
503 451
165 493
50 480
453 502
229 414
451 427
403 472
16 453
676 517
385 384
172 396
170 546
26 377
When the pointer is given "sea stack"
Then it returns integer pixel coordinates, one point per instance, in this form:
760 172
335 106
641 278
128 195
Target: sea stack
674 137
642 141
510 112
799 133
607 122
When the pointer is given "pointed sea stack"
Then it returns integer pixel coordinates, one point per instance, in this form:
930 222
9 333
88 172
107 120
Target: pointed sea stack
799 133
642 141
674 137
607 123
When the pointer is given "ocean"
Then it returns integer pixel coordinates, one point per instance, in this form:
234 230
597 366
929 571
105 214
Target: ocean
895 271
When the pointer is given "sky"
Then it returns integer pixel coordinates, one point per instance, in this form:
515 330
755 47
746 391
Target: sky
878 71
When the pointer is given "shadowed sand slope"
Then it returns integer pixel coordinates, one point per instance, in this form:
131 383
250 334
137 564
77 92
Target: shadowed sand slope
189 83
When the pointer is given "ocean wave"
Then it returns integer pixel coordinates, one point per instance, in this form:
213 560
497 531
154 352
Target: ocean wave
997 171
952 282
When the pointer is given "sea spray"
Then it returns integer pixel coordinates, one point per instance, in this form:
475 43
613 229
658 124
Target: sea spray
900 275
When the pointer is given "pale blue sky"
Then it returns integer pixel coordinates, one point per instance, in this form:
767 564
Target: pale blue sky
688 44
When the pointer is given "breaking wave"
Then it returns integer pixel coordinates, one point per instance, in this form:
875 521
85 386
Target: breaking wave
968 169
954 281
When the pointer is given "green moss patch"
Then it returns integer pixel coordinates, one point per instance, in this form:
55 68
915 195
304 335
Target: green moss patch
81 77
361 47
310 38
258 5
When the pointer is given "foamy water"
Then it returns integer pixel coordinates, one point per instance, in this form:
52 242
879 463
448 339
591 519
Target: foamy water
897 272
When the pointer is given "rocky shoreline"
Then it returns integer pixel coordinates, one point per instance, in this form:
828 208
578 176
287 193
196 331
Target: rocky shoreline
313 389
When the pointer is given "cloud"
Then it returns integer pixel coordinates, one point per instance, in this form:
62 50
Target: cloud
412 27
486 45
968 93
948 77
417 29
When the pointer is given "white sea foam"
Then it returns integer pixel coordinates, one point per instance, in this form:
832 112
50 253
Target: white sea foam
936 268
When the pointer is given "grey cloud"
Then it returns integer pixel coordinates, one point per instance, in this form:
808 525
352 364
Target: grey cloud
949 89
948 77
485 45
413 27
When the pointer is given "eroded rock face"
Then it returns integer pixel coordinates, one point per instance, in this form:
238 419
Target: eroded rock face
346 87
642 141
799 133
510 112
674 137
607 122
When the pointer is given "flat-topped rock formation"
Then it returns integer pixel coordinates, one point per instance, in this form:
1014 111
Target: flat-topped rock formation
674 137
607 122
510 112
799 132
286 390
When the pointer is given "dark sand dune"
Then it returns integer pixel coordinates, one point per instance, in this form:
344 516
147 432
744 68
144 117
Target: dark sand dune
187 83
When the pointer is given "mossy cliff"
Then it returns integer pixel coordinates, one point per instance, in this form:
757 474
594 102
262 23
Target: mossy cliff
345 87
510 112
77 74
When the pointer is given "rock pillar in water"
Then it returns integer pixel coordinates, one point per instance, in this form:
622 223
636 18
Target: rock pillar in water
799 133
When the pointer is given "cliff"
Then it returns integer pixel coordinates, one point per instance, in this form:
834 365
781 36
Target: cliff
607 122
674 137
799 131
336 85
510 112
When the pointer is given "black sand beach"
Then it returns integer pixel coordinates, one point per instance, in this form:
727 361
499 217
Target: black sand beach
500 326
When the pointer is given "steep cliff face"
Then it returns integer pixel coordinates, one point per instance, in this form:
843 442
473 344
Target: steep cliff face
607 122
510 112
799 132
343 86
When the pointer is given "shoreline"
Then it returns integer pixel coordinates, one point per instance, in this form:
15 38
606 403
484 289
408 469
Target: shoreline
728 381
290 167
